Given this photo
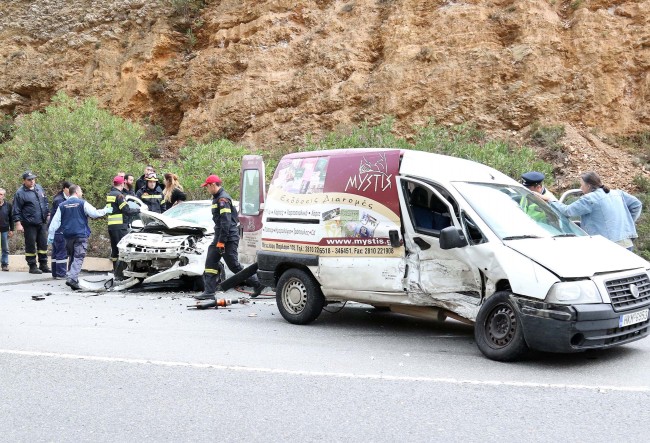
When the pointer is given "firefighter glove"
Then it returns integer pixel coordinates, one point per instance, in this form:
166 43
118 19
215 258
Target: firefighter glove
221 248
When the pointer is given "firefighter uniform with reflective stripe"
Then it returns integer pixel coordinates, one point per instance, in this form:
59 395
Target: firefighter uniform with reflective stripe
117 223
153 198
226 234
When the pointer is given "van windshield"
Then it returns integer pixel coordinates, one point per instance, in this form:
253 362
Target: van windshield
513 212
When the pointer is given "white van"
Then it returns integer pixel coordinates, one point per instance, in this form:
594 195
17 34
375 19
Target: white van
437 236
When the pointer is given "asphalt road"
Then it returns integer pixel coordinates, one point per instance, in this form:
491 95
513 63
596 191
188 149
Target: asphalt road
142 367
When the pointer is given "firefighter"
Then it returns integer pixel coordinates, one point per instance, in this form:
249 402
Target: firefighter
31 214
151 193
224 243
117 222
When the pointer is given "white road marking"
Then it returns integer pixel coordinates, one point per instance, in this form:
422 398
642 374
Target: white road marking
451 381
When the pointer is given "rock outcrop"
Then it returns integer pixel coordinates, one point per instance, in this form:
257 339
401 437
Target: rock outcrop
268 72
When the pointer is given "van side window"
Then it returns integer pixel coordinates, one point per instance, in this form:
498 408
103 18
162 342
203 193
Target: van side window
475 235
250 198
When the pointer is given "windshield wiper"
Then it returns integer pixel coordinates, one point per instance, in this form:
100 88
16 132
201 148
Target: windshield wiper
518 237
564 235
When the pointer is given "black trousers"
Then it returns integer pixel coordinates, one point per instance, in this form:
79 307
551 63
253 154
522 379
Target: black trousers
214 271
36 244
115 235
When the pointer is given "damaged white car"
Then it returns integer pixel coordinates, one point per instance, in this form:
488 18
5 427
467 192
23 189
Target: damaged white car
169 246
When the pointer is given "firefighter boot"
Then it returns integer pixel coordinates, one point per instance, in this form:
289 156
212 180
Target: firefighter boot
210 282
118 270
45 268
33 269
257 290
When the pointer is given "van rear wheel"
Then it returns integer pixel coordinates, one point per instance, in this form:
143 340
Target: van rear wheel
299 298
498 330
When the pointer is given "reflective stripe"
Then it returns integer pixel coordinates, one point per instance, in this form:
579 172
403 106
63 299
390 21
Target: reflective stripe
225 210
113 258
211 271
110 199
122 205
40 251
30 254
65 260
214 206
151 196
115 219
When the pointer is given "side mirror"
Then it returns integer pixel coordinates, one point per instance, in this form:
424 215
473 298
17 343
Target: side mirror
137 224
452 237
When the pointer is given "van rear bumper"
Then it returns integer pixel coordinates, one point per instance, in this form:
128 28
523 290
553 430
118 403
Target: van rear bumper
576 328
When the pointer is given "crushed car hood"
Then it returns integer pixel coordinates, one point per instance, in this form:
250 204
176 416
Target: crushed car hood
153 221
578 257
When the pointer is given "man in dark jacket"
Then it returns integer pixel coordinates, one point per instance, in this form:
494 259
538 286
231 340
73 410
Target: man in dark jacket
151 194
31 214
142 181
6 228
117 222
59 260
225 242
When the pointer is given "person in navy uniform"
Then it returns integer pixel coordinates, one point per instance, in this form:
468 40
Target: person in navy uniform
59 259
224 243
534 181
71 219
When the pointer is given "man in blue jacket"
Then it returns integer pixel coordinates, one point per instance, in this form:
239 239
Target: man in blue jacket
59 258
31 214
72 218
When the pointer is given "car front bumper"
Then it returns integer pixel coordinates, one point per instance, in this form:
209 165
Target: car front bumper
555 328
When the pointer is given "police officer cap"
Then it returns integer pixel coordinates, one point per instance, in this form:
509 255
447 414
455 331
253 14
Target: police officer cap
28 175
532 178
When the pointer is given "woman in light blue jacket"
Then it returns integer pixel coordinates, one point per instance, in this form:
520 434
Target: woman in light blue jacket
610 213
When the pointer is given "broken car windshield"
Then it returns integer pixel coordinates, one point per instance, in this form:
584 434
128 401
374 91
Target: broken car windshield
513 212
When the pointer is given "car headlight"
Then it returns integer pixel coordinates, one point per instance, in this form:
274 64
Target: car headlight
574 293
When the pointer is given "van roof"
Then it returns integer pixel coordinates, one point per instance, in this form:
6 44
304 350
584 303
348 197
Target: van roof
426 165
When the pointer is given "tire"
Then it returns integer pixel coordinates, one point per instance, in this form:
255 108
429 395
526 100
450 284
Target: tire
498 330
299 298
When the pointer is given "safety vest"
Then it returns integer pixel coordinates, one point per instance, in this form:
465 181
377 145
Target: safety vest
532 209
74 221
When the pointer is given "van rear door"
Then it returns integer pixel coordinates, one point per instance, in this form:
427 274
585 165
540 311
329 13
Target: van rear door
252 191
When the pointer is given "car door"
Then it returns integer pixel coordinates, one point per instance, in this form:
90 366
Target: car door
434 272
252 191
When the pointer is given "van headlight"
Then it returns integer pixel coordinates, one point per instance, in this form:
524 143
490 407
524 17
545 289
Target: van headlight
574 293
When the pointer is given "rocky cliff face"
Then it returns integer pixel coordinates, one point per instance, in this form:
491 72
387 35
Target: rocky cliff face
268 72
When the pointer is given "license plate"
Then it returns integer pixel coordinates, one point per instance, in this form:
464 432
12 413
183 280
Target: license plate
633 318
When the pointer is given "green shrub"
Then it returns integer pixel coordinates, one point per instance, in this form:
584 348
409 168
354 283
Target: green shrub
363 136
198 160
74 141
6 127
466 141
547 136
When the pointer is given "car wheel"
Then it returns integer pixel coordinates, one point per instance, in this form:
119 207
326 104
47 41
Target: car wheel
299 298
498 330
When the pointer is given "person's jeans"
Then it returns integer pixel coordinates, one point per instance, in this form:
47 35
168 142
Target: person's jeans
4 239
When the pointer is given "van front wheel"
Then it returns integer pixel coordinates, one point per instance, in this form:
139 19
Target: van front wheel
498 330
299 297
